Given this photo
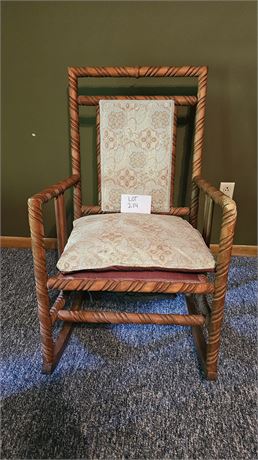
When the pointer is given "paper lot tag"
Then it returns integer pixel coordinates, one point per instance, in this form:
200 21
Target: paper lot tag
136 203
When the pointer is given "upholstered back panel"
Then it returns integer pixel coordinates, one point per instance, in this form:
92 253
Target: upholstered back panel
136 151
90 98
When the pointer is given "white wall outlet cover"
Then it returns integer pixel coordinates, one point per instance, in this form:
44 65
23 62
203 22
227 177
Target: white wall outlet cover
227 188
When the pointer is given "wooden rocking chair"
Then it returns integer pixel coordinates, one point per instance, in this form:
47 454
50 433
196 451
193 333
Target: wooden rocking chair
195 285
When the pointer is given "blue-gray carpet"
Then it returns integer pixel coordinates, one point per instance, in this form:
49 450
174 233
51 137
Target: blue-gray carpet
127 391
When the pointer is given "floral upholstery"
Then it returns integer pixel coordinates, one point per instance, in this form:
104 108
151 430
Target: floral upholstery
135 241
136 151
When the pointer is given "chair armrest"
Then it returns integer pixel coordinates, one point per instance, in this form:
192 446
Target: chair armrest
37 226
55 190
216 195
229 215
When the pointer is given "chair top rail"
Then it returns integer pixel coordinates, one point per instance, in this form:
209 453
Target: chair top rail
138 72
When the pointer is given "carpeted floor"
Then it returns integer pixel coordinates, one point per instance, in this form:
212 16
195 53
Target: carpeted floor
127 392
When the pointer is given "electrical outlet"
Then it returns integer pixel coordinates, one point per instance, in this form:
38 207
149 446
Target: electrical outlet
227 188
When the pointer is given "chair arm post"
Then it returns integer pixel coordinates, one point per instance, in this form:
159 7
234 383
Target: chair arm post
207 222
61 225
39 257
229 215
194 205
36 217
40 271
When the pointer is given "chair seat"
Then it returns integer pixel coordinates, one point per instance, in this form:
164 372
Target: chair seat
133 242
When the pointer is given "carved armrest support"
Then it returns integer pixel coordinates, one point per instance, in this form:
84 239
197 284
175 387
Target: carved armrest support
53 191
37 226
229 215
216 195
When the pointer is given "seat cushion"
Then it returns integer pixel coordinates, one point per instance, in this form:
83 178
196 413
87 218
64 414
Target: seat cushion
136 151
134 242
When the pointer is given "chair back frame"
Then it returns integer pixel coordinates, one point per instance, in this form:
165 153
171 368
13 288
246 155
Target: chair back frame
75 101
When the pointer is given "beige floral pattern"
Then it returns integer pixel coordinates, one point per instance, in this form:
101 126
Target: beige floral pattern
160 120
116 120
148 139
109 139
159 197
164 177
126 178
135 241
137 159
114 196
135 151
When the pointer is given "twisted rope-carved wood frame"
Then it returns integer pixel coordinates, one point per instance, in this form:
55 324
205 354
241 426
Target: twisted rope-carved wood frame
212 316
74 73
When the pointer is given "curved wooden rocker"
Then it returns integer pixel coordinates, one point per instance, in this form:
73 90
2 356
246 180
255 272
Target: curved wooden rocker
193 285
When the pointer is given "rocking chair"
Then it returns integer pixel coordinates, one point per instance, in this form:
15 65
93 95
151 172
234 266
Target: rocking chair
98 255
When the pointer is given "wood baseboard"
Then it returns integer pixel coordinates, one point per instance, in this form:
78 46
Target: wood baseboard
238 250
51 243
24 242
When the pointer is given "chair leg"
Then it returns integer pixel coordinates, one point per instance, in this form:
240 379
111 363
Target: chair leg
46 322
58 347
198 336
214 334
51 351
47 344
208 352
217 313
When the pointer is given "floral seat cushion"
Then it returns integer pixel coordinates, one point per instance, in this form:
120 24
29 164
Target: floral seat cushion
136 151
135 241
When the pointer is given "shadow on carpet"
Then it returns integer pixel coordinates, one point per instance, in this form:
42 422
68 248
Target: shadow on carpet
127 391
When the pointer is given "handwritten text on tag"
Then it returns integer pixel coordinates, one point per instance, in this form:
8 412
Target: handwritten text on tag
136 203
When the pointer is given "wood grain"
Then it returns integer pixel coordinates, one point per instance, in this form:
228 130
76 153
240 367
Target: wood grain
88 210
139 285
179 100
39 257
229 215
60 216
115 317
197 332
214 316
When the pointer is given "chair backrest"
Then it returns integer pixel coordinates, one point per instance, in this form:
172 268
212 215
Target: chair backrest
136 152
158 187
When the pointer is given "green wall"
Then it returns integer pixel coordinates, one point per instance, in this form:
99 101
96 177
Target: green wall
41 39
